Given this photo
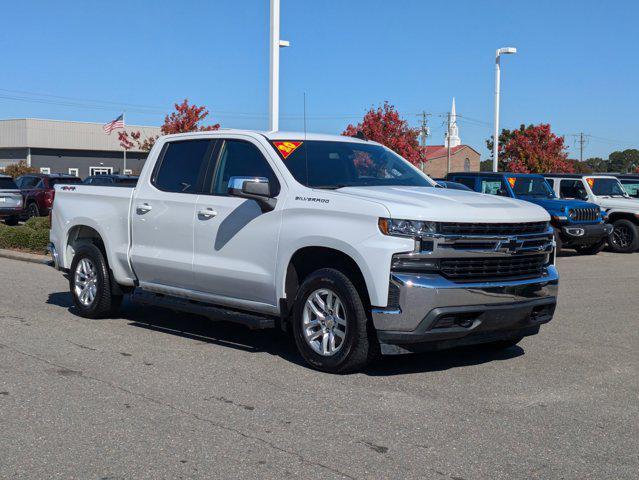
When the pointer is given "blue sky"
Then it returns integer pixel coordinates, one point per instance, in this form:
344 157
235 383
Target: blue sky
577 66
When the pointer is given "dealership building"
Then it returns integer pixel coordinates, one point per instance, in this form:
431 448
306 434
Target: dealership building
77 148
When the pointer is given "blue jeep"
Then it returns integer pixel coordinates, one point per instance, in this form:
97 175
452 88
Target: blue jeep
578 224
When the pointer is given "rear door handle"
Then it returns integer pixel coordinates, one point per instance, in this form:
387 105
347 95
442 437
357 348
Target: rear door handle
143 208
206 212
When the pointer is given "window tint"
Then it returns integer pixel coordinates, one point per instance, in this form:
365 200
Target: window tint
28 182
493 187
572 189
468 181
242 159
7 183
182 166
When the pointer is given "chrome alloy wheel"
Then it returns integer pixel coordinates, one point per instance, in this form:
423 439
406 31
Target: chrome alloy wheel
324 322
86 277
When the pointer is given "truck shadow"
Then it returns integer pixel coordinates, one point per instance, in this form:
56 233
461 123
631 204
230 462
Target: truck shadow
279 344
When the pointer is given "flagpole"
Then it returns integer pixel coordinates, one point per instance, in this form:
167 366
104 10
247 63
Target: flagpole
123 147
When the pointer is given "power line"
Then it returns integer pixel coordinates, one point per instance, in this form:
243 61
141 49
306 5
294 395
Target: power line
581 139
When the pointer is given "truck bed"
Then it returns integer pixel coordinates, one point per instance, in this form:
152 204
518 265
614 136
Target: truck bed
104 209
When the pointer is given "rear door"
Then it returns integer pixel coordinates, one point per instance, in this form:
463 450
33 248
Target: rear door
235 242
163 213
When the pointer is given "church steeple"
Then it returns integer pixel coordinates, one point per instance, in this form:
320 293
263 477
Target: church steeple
454 131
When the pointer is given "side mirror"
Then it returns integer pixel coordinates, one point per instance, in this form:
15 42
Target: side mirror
253 188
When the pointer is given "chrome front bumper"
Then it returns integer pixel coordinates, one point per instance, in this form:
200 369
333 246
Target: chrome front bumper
419 295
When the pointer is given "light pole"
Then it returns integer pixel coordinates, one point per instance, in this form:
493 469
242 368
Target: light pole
500 51
274 67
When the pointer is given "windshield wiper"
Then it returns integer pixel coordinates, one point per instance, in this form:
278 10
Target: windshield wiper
331 187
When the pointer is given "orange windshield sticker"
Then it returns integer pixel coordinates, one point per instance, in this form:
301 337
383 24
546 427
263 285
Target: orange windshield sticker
591 182
286 148
512 181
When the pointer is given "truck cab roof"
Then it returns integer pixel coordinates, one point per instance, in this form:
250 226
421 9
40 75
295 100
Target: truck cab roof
272 136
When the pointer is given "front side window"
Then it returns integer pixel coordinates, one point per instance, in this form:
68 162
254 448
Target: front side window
572 189
631 187
332 165
238 158
493 186
531 187
182 166
606 187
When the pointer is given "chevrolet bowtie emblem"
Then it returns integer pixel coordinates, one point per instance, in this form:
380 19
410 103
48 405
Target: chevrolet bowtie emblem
512 245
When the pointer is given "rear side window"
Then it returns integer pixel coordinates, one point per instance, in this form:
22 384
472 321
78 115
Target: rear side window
28 182
7 184
493 186
238 158
182 166
632 187
571 189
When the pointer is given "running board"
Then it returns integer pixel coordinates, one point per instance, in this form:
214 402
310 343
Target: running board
212 312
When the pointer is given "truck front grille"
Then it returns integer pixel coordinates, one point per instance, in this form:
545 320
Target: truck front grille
583 214
493 268
498 229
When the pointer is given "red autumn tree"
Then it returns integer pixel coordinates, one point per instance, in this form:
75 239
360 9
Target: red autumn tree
185 118
535 149
384 125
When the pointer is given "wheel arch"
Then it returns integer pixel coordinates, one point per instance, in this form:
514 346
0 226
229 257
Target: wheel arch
307 259
613 216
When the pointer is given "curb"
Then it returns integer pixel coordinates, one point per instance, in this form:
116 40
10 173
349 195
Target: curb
25 257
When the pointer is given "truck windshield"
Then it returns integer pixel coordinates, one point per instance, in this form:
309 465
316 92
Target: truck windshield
531 187
606 187
7 184
332 165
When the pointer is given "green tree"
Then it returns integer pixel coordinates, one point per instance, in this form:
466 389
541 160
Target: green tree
624 161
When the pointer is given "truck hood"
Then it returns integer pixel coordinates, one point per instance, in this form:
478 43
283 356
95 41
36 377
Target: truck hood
447 205
555 204
618 203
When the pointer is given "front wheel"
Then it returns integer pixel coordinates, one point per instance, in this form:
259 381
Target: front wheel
90 284
624 237
330 326
591 249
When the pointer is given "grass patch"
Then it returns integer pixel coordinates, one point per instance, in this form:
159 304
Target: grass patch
33 236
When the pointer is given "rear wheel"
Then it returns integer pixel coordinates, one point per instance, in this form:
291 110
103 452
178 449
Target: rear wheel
591 249
90 284
33 210
330 325
624 237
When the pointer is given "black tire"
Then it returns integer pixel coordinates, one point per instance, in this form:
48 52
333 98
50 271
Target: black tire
501 344
624 237
33 210
11 221
104 303
359 345
591 249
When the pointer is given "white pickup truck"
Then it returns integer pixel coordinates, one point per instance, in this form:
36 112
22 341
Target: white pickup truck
336 239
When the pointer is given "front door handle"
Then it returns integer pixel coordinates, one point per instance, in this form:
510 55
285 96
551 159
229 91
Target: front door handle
143 208
206 212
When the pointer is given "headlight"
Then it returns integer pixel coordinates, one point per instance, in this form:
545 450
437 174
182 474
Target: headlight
406 228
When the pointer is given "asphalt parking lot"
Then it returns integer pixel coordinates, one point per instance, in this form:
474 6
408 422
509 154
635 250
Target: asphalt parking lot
157 395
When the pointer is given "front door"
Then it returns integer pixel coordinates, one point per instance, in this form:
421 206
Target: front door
235 242
163 214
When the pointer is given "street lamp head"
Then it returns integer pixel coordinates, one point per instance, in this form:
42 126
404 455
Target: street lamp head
506 51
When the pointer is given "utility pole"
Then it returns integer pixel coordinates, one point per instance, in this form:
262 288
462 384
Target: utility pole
448 146
581 139
274 67
424 130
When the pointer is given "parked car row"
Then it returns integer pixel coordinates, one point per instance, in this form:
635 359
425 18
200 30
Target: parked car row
587 211
32 195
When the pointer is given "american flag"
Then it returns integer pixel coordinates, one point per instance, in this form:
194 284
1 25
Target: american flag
117 123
